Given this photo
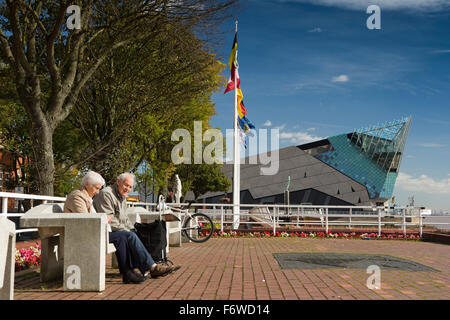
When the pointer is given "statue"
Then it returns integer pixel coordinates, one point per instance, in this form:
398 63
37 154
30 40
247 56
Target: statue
176 187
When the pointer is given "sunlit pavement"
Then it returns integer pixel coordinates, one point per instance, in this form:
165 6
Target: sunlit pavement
245 269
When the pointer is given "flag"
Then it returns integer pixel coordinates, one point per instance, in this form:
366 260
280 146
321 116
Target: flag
241 108
232 66
248 122
243 135
244 124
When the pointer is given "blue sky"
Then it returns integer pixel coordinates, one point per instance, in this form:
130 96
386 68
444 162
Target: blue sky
313 69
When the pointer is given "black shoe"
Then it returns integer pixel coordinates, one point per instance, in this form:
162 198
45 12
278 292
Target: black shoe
132 277
175 268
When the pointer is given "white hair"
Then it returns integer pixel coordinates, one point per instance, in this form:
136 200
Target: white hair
124 175
92 178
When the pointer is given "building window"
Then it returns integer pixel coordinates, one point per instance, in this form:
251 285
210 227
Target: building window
318 147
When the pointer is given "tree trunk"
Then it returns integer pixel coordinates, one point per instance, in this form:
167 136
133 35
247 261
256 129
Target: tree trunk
43 163
165 191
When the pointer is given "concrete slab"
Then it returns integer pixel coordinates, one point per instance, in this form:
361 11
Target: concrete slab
7 258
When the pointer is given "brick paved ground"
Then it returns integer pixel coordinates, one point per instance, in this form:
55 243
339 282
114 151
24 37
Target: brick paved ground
244 268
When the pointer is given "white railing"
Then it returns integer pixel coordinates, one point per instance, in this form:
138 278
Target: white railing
325 216
5 196
276 216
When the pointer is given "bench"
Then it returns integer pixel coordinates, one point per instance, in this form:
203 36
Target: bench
74 246
7 258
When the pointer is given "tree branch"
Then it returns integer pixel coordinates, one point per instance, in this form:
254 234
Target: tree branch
50 59
7 50
35 15
17 40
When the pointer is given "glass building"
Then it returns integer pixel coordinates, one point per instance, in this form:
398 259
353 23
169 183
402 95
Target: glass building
357 168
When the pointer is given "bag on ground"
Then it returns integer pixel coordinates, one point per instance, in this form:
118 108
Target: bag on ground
153 237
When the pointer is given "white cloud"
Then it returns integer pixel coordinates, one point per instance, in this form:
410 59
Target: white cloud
441 51
411 5
315 30
431 145
298 137
341 78
268 123
423 183
311 129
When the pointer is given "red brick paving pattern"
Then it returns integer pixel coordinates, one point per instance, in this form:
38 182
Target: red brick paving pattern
244 268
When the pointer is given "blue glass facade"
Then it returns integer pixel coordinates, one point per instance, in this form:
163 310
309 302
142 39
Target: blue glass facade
348 160
370 157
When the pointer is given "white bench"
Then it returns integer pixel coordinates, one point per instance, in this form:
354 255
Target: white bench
7 258
74 246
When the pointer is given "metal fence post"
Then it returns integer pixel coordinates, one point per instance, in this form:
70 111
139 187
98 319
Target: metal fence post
404 221
214 216
379 222
5 207
420 224
326 220
221 219
274 220
350 219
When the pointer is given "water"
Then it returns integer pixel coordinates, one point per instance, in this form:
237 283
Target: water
438 219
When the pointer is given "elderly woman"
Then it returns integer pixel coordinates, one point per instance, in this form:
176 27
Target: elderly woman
80 201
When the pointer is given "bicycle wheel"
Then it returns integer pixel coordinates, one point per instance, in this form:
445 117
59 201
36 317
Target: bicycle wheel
198 228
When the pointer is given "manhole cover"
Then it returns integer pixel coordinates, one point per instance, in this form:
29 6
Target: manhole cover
346 260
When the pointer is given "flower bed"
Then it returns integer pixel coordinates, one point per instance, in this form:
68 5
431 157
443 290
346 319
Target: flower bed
320 235
28 258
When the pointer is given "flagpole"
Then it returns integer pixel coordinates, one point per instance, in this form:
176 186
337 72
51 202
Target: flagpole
237 154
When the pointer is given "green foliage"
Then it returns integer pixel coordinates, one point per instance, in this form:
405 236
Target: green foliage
16 144
124 114
203 178
130 58
143 93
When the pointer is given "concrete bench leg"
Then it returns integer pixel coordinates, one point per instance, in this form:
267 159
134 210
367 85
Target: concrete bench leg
52 259
174 236
7 259
84 259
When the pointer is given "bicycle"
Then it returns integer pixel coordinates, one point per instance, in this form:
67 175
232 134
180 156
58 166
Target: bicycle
197 227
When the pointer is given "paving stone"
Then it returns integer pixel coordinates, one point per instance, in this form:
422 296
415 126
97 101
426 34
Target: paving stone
246 268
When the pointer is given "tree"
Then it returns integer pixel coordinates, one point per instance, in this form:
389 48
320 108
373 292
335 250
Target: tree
14 133
203 178
147 87
43 53
16 145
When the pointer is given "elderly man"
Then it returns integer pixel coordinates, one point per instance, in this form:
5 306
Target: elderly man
113 201
80 200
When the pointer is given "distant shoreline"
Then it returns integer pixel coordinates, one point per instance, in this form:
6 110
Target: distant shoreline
438 219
